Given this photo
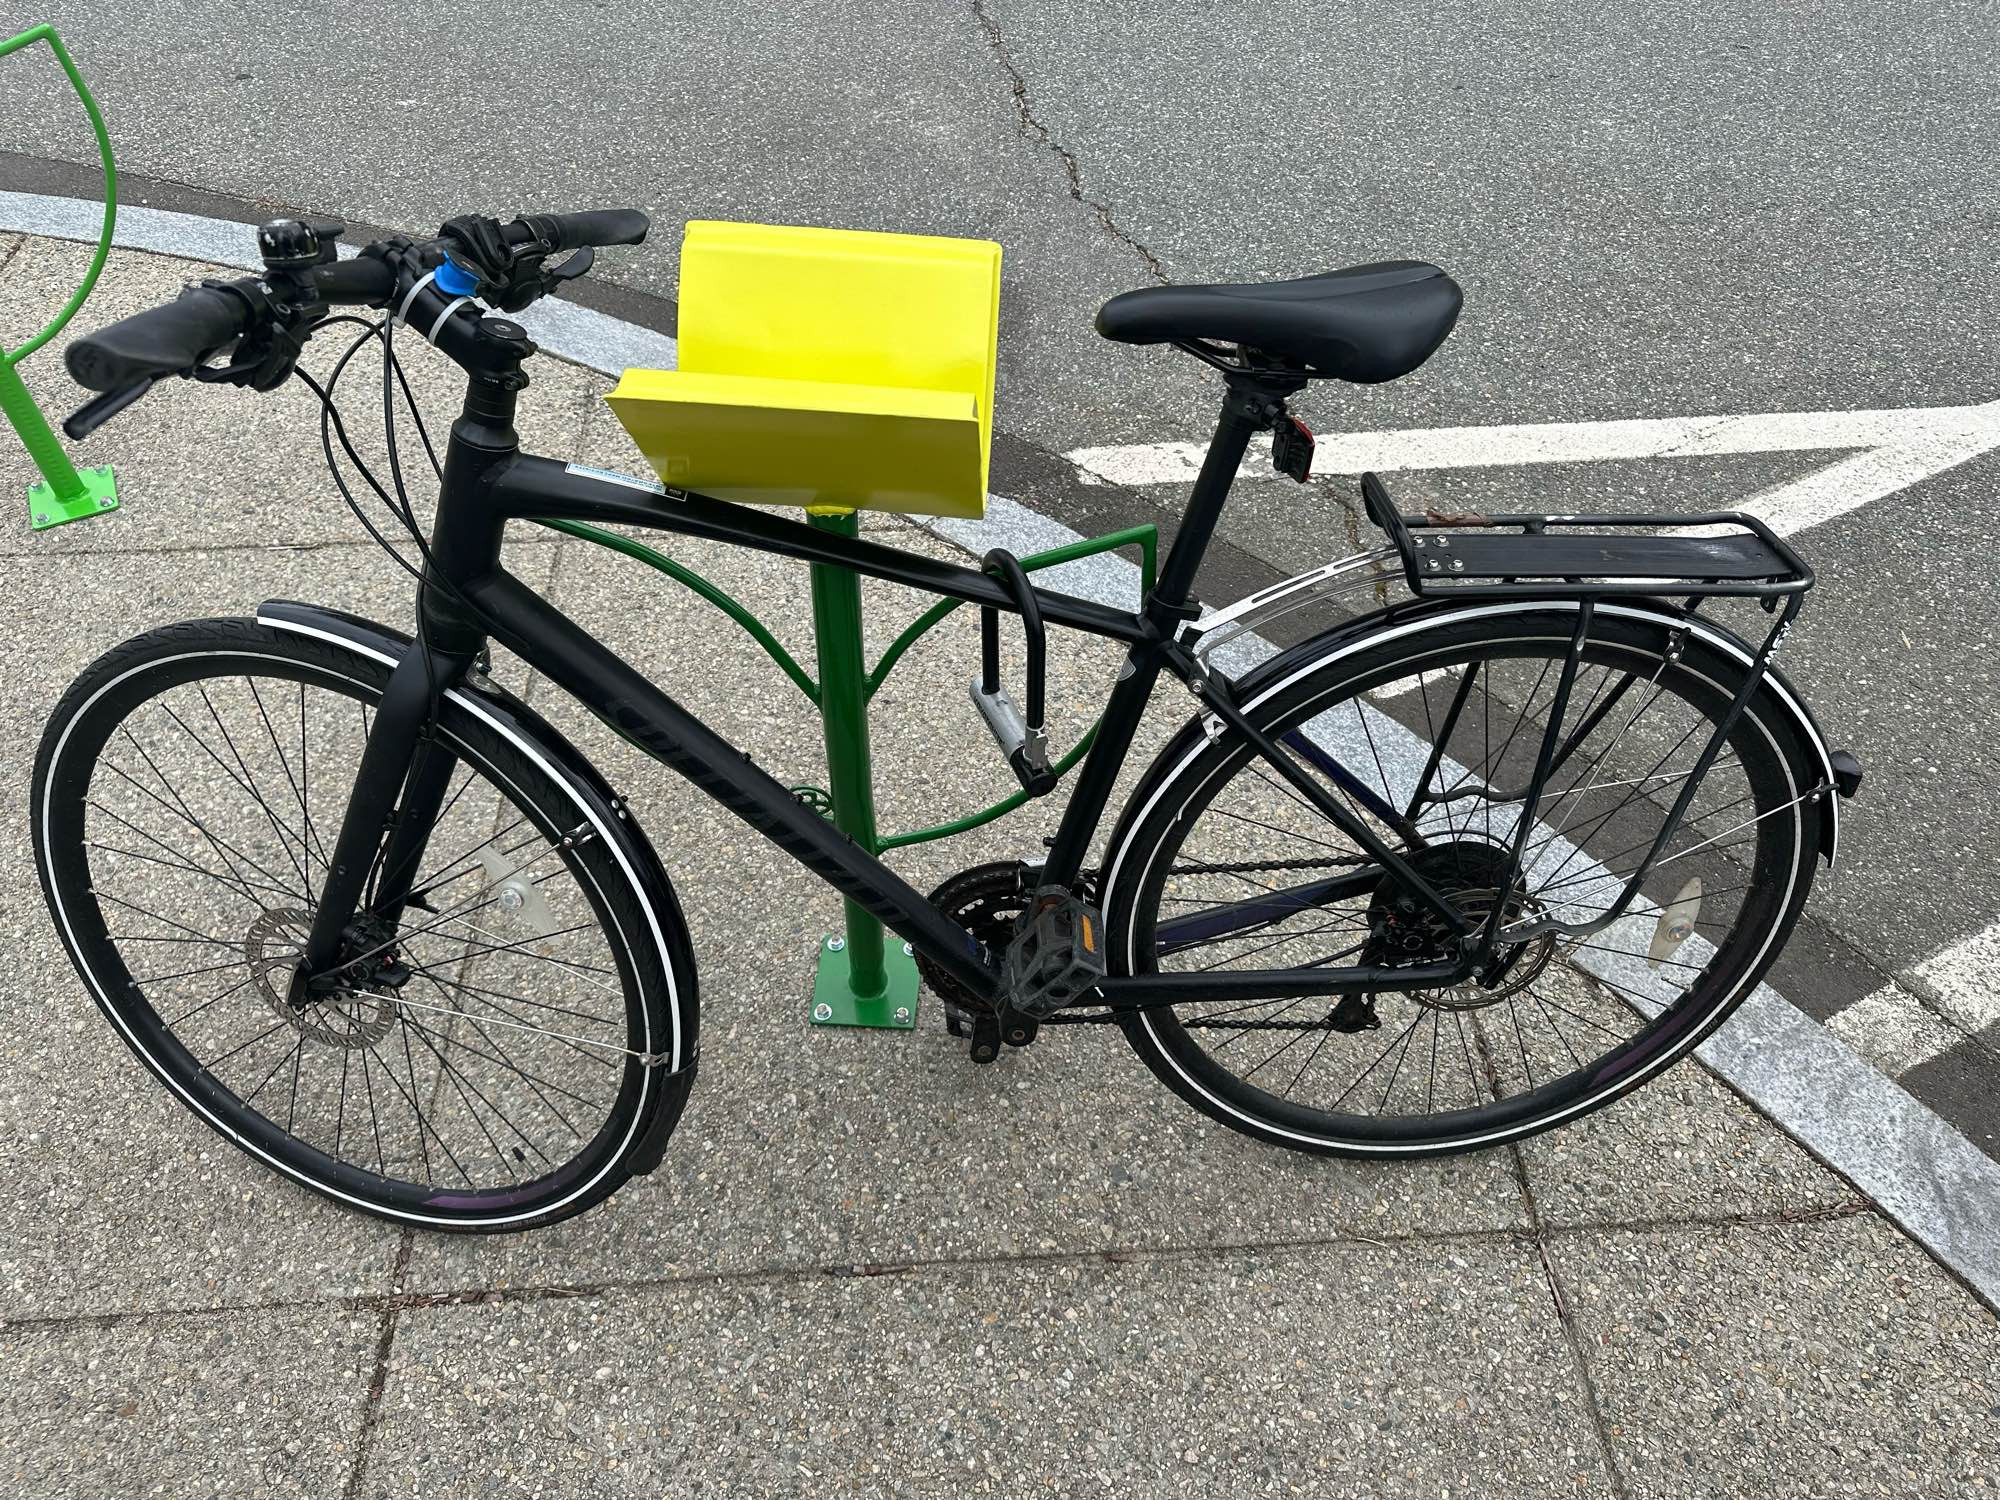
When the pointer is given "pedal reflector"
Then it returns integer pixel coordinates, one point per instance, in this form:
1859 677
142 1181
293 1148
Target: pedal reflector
1054 957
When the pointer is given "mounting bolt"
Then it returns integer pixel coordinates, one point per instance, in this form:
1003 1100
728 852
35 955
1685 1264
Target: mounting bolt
902 1015
835 944
822 1012
908 951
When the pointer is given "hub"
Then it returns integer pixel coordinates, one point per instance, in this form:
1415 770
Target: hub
1470 874
343 1016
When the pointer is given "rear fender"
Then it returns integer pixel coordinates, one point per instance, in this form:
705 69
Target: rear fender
1834 766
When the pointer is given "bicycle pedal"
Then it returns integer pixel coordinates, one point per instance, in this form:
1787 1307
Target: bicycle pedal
1056 955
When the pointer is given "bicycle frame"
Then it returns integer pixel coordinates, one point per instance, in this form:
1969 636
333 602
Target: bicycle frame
488 482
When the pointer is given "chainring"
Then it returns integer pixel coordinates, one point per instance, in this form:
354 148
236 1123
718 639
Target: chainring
986 900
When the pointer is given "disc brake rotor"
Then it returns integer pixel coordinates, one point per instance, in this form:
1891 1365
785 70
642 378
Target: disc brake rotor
345 1019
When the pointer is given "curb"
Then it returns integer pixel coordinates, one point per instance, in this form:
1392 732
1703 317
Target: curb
1924 1175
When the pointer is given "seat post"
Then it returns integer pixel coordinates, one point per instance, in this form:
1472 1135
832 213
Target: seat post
1248 407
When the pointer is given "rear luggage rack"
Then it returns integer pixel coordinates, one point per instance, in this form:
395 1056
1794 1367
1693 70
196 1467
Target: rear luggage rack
1594 556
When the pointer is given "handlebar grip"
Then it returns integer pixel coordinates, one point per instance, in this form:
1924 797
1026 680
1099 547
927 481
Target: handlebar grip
161 340
604 226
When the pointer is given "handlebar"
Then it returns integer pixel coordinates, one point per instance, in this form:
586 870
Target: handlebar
594 227
161 340
279 308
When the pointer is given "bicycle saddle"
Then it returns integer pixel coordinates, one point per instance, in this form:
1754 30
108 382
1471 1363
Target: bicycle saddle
1365 324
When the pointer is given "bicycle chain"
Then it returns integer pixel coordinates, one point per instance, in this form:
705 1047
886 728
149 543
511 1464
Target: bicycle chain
1262 866
1220 1023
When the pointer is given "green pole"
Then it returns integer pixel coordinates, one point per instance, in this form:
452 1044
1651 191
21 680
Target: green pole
64 494
861 981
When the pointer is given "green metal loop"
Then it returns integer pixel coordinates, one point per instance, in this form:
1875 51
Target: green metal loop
47 33
687 577
985 815
1145 538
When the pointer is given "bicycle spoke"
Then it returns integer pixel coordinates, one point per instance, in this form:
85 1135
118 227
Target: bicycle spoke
305 836
1619 758
248 783
181 812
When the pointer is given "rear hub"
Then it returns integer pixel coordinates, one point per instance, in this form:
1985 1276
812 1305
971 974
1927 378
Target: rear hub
1472 875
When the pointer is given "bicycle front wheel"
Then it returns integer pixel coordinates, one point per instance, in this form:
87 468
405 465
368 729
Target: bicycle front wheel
506 1048
1429 732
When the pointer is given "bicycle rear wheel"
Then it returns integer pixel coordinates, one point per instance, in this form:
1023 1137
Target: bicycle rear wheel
1221 866
510 1044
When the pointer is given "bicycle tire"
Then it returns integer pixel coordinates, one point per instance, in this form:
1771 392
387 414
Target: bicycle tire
609 880
1342 669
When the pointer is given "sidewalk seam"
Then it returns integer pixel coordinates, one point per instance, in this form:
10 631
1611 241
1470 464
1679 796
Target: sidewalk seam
1116 1255
378 1380
1572 1335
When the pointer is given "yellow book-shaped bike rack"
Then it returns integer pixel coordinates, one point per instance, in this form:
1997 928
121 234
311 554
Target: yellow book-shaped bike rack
827 368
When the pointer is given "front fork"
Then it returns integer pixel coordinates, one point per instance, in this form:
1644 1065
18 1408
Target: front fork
398 792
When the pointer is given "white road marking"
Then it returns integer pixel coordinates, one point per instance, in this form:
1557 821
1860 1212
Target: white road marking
1930 1009
1963 981
1892 1030
1402 685
1898 447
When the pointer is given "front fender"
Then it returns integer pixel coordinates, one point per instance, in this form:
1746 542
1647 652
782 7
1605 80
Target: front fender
528 729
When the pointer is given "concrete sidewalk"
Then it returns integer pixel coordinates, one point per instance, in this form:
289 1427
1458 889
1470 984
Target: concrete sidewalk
867 1267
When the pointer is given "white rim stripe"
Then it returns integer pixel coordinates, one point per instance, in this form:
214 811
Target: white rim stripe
196 1104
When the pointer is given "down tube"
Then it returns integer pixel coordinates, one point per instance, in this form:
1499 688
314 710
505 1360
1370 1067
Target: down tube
570 657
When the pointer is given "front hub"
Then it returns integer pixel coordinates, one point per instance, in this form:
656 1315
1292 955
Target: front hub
335 1010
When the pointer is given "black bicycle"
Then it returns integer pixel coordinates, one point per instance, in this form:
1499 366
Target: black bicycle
1443 875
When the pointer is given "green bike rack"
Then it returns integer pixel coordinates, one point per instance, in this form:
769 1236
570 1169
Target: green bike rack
64 494
863 979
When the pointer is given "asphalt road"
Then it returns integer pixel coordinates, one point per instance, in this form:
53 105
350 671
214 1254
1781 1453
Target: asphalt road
1655 211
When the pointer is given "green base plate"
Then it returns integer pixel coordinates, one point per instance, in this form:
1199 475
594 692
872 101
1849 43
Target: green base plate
834 1002
100 494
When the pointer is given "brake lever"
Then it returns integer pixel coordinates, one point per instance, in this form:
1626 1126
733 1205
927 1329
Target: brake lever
577 265
92 415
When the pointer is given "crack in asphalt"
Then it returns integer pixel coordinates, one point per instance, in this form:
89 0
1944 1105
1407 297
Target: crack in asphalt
378 1379
1033 129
